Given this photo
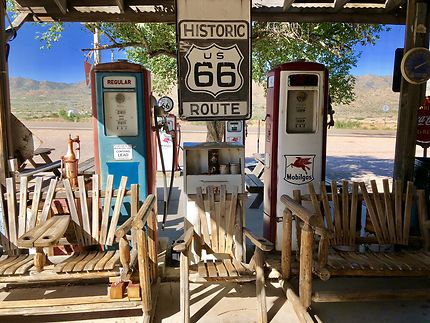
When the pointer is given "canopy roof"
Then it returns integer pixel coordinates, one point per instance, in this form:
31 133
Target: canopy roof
354 11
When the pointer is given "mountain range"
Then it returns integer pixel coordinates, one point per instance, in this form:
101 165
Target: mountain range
42 99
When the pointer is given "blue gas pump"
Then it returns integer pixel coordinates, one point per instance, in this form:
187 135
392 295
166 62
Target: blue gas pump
122 119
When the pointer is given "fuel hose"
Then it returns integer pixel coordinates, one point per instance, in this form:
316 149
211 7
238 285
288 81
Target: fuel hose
172 177
163 168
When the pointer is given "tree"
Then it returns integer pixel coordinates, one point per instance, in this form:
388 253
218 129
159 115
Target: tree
332 44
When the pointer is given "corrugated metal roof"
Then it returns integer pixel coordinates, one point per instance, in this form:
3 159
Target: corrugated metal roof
360 11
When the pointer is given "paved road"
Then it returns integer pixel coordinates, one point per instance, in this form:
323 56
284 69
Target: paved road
355 154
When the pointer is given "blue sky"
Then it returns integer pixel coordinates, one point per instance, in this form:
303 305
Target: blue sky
64 61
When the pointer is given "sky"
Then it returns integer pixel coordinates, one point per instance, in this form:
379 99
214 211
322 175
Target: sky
64 61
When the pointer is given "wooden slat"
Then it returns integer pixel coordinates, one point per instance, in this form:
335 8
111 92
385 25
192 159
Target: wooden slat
7 262
55 232
353 218
92 263
110 264
48 201
24 262
84 211
25 267
422 217
372 212
102 262
71 262
134 209
73 212
389 210
326 206
287 4
81 264
11 263
408 211
202 216
337 217
398 194
238 232
222 271
22 216
211 269
106 209
212 217
315 202
338 4
62 5
221 219
231 220
230 268
116 211
379 211
11 211
4 232
240 269
27 240
95 207
35 203
345 211
201 269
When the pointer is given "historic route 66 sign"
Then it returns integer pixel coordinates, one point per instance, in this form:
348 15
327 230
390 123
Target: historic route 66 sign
213 59
214 69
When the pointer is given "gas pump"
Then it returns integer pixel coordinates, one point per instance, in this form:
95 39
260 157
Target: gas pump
169 143
122 121
235 131
296 132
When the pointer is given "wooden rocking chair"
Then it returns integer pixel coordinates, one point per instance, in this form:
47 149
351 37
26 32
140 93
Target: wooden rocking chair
217 243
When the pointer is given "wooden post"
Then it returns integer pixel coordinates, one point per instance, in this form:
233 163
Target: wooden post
411 95
39 259
152 244
144 274
124 254
185 287
261 292
287 227
5 138
305 279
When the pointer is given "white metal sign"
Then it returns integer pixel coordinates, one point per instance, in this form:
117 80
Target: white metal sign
122 152
214 59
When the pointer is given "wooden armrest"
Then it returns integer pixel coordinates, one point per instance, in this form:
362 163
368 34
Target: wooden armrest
142 215
259 242
181 245
298 210
46 234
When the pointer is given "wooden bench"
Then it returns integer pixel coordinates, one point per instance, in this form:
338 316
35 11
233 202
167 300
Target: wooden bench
254 185
47 165
390 248
88 220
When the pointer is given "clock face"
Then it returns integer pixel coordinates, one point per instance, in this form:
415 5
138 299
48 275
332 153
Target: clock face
415 65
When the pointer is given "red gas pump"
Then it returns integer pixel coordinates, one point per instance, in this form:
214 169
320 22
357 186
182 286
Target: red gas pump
296 131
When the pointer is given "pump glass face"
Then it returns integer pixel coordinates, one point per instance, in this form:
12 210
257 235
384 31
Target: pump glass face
234 126
120 112
415 66
166 103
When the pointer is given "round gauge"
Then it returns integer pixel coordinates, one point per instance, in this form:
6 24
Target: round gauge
120 98
415 66
166 103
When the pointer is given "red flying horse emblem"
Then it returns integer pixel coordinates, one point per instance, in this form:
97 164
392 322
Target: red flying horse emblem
302 163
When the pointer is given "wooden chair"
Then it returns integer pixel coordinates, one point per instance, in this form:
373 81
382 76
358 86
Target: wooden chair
388 249
87 220
218 239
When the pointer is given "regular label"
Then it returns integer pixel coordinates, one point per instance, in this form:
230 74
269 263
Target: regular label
122 152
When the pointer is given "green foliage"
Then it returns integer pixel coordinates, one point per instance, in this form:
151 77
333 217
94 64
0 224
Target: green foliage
347 124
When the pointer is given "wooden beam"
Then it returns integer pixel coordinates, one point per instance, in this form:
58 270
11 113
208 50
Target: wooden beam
121 5
339 4
287 4
393 4
62 5
5 142
411 95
